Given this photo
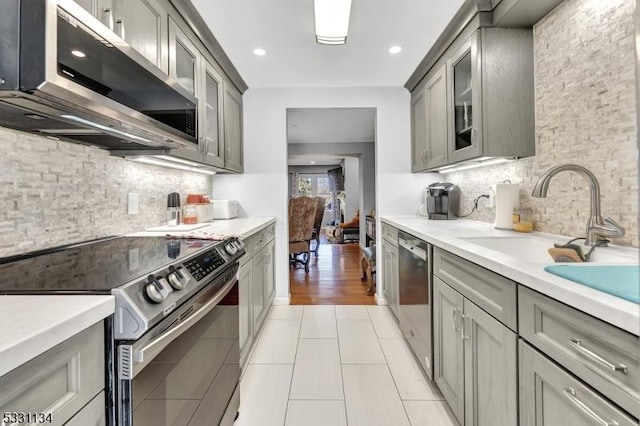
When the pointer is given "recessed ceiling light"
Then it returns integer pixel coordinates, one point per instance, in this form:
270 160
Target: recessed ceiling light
78 54
312 162
395 49
259 52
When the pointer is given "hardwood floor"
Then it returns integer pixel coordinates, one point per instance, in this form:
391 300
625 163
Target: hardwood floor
333 278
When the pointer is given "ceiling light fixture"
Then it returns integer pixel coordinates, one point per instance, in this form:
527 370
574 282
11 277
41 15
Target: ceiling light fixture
78 54
395 49
312 162
259 52
332 21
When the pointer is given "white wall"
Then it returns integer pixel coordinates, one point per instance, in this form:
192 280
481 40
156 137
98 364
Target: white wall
262 189
352 187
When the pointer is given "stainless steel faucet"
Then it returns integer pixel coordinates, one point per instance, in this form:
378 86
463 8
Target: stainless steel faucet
598 229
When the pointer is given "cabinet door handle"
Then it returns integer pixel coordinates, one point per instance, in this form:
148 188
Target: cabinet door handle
122 33
570 394
577 345
456 323
466 325
108 12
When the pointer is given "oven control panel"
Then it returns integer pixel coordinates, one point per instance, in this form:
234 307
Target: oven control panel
201 266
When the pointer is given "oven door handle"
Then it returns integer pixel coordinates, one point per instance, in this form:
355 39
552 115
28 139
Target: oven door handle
148 352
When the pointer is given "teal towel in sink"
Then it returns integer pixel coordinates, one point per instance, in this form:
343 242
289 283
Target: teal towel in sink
618 280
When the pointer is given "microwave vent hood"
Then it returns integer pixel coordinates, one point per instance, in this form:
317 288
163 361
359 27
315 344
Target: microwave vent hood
111 96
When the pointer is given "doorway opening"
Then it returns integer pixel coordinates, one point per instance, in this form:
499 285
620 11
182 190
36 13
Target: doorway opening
331 157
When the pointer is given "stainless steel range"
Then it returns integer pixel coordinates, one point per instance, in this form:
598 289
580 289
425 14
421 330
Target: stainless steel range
173 341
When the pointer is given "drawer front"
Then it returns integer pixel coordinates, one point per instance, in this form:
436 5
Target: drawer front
600 354
490 291
248 249
549 396
262 237
390 233
60 381
93 414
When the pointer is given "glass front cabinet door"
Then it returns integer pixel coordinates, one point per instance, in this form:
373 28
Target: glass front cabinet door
464 67
184 58
211 118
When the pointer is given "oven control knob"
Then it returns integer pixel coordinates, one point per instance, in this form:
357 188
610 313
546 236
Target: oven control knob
154 293
239 244
176 281
231 248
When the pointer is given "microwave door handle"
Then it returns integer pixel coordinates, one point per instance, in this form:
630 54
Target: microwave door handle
148 352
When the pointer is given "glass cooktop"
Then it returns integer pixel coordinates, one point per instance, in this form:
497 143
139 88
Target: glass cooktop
94 267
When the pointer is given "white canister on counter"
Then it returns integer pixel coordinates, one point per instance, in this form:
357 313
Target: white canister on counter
507 198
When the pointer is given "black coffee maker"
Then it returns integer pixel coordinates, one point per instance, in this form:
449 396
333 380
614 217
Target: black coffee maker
443 201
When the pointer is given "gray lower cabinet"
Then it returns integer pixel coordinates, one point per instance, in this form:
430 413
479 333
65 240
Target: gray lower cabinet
475 360
245 309
258 302
549 396
60 381
490 370
256 287
233 129
601 355
448 348
93 414
269 281
390 278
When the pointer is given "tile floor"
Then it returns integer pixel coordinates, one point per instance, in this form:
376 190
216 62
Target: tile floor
330 365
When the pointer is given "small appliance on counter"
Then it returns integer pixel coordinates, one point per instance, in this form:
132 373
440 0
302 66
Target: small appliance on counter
225 209
442 200
173 209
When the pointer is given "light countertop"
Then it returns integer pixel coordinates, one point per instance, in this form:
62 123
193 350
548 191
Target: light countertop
447 235
30 325
242 227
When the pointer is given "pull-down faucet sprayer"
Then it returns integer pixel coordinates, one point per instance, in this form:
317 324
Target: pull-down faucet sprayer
597 227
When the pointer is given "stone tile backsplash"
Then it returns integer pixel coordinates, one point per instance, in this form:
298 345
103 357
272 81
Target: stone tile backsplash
54 193
585 108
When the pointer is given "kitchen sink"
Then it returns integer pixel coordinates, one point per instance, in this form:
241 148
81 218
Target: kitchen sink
533 248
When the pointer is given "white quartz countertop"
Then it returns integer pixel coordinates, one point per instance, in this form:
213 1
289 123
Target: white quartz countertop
242 227
447 235
30 325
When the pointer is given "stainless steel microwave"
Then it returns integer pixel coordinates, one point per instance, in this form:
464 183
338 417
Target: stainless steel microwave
64 74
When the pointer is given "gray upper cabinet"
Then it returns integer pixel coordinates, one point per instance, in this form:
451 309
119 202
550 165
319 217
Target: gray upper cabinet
464 93
491 95
233 128
88 5
478 97
211 118
184 58
549 396
141 23
144 25
429 122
